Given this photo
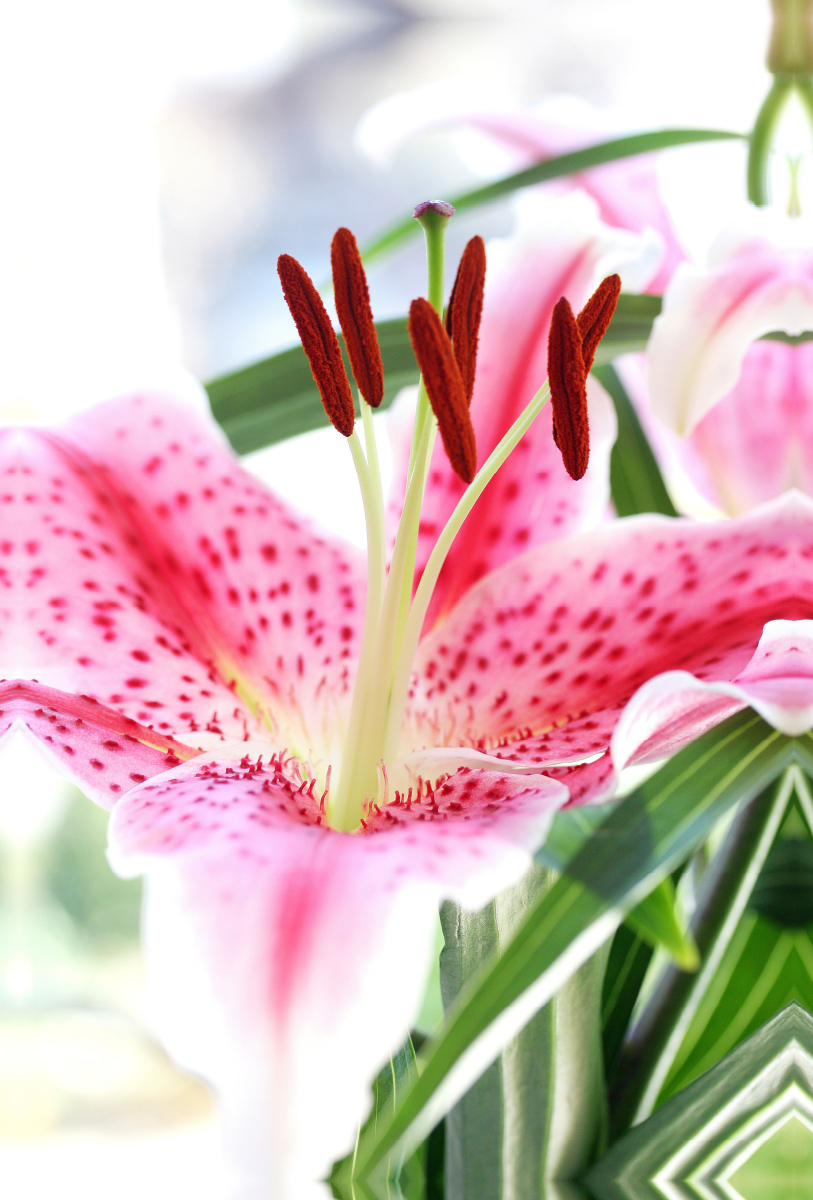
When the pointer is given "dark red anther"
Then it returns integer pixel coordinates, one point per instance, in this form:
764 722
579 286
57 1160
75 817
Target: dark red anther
444 386
466 308
356 316
596 316
319 343
568 391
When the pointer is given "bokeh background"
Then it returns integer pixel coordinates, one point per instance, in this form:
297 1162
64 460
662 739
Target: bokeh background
157 157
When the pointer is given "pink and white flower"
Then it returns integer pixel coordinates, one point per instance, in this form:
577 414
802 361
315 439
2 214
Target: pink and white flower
196 618
186 648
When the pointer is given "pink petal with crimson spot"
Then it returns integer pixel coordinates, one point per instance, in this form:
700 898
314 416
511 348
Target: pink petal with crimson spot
572 630
531 500
137 539
102 752
286 950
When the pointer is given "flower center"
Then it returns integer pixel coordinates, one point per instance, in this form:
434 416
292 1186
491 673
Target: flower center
394 617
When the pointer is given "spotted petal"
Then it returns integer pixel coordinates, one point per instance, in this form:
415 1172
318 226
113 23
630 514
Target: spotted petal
539 659
103 752
286 952
145 569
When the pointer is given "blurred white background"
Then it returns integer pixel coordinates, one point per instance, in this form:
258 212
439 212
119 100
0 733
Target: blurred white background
157 157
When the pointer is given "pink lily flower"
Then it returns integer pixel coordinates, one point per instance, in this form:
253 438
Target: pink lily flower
210 637
742 406
178 605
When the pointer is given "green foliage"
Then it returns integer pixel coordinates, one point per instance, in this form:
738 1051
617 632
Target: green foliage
630 955
648 834
636 482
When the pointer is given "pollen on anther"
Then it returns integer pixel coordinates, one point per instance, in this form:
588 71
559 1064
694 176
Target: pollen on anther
319 343
568 391
352 298
444 386
465 310
595 317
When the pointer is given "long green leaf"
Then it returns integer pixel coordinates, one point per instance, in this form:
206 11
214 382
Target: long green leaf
627 965
654 919
391 1080
636 482
651 1045
554 168
642 840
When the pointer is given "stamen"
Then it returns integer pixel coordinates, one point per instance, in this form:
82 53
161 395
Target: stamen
568 392
319 343
444 387
356 316
596 316
466 308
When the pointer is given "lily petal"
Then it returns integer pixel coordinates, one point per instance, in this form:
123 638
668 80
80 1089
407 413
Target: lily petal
156 576
560 248
760 279
674 708
98 749
552 645
756 442
305 951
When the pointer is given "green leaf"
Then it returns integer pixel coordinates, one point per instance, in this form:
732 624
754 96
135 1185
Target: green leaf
642 840
769 959
390 1082
627 965
570 830
657 922
636 482
695 1143
553 168
764 968
649 1050
784 891
277 398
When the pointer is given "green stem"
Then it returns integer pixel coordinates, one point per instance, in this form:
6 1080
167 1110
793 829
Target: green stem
650 1050
762 135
